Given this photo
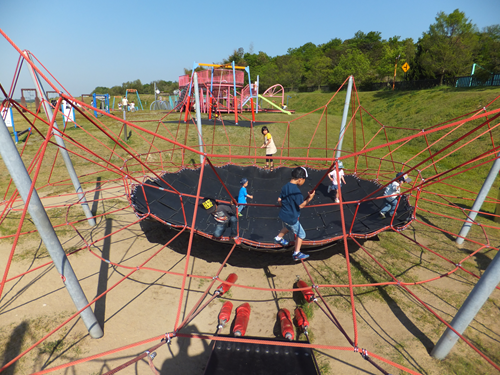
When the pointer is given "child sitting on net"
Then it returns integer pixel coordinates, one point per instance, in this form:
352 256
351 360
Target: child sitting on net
334 182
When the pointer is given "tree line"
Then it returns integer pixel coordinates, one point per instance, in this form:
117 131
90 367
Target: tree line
147 88
448 49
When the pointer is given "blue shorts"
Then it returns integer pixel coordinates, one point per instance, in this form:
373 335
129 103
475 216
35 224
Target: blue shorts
296 229
336 187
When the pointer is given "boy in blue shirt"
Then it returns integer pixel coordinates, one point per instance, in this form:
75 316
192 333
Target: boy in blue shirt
242 196
291 202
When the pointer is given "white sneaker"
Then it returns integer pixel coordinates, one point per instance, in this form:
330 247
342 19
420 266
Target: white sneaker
337 200
329 188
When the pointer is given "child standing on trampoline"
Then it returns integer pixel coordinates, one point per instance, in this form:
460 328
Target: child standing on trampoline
270 147
335 184
291 202
242 196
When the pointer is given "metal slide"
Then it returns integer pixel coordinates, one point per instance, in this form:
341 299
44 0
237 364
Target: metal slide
274 105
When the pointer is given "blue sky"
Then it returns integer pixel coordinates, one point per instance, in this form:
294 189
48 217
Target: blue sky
89 44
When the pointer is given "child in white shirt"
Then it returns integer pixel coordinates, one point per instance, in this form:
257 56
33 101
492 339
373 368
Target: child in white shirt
333 179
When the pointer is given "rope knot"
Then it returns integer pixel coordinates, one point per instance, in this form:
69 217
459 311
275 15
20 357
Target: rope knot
364 353
167 338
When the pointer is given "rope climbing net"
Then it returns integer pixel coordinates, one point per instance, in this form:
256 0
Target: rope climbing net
139 256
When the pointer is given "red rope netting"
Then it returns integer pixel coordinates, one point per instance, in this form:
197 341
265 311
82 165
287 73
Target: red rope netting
371 151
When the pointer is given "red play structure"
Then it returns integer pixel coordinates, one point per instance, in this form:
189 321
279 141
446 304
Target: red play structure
167 284
222 89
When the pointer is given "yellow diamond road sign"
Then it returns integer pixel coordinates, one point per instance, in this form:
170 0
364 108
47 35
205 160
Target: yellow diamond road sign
405 67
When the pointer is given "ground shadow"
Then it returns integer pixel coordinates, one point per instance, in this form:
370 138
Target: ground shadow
212 251
396 310
102 284
183 362
484 214
13 347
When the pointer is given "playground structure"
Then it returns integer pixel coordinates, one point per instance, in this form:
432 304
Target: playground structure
32 98
164 101
100 101
163 146
131 104
222 90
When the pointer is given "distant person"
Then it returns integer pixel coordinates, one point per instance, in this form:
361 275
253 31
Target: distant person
243 195
334 183
270 147
132 107
392 192
224 215
291 202
215 111
124 103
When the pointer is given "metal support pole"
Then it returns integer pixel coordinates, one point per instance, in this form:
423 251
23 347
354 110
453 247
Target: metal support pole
198 116
474 302
22 180
62 147
125 130
485 189
257 94
235 96
155 97
344 117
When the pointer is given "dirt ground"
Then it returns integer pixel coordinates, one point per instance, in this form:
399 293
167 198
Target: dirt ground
144 304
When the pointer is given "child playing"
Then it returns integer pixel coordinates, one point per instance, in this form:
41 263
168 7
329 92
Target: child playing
242 196
224 215
215 110
291 202
392 191
270 147
335 184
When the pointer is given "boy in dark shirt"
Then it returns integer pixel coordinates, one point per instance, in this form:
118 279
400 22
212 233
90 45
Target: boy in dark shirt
224 215
291 202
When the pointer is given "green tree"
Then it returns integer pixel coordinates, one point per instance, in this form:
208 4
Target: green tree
290 71
390 51
333 50
237 56
489 52
320 69
100 90
355 63
449 47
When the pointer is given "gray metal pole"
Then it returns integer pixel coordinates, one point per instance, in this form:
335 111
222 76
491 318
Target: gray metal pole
21 178
344 117
485 189
198 116
474 302
62 147
156 104
124 135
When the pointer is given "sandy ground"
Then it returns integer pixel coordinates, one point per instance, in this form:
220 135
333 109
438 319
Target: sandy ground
147 304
